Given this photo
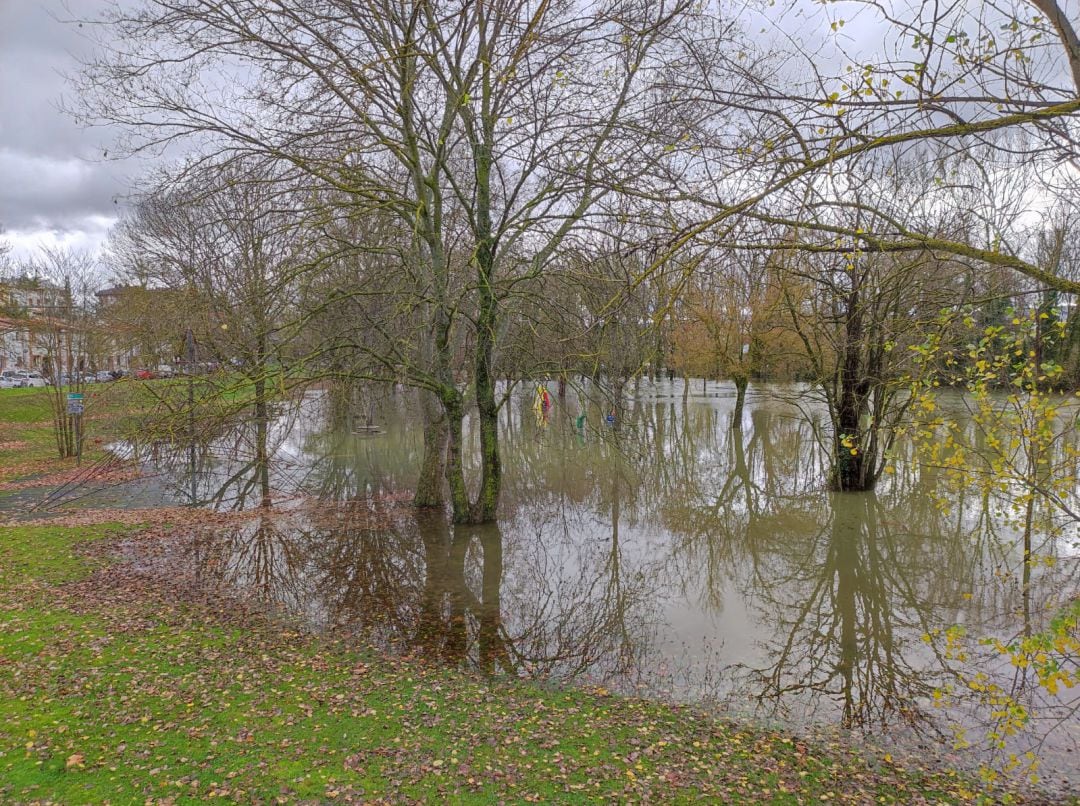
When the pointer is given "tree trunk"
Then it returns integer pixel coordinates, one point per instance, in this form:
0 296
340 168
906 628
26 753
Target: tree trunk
618 402
429 485
740 400
852 469
455 471
487 500
262 455
1029 517
849 471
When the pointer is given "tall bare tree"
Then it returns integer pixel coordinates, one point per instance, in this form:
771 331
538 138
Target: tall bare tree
227 242
520 116
65 325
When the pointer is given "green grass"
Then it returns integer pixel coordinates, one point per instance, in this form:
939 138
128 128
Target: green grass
27 437
46 553
27 444
134 698
24 405
113 411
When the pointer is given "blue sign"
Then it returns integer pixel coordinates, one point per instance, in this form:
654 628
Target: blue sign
74 403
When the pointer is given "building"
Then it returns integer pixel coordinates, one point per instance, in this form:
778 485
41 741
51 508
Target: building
30 312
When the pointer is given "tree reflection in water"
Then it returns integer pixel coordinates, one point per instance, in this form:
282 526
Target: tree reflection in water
849 605
408 581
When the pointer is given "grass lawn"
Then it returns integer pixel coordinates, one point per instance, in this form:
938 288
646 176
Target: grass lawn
27 443
112 691
113 411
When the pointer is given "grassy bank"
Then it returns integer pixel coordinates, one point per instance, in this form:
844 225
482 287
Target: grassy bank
27 441
112 690
113 411
27 435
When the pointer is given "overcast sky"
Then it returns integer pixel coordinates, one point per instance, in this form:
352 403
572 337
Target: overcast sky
54 186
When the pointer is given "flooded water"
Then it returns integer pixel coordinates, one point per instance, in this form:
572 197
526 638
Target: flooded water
666 554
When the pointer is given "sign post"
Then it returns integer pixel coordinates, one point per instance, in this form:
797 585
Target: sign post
75 403
75 411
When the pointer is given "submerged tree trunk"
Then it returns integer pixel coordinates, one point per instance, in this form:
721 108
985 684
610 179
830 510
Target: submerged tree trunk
455 453
740 400
262 454
849 462
853 464
429 485
618 401
1029 517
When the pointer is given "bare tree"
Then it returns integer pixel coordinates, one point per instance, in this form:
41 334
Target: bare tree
65 324
516 118
969 92
230 249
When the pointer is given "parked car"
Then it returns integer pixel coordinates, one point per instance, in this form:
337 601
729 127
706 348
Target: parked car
104 376
9 379
33 379
144 375
165 371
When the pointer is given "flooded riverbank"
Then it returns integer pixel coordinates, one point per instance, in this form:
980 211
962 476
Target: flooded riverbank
666 554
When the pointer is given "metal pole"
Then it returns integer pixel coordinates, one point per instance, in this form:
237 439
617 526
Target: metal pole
189 343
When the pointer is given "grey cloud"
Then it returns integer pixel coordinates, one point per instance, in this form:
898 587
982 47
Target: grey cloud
52 175
54 193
